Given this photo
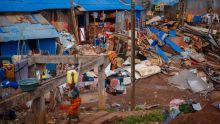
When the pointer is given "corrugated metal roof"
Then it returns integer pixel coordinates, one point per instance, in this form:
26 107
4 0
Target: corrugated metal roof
99 5
32 5
23 27
88 5
96 5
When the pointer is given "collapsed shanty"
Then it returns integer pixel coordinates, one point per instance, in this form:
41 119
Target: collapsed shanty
92 61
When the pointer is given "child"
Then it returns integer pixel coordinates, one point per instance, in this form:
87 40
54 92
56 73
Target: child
73 112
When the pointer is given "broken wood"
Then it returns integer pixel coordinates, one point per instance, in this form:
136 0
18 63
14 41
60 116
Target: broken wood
91 118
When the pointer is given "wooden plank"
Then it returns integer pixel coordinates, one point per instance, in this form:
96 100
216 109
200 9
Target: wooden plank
109 118
60 59
83 116
91 118
106 119
93 63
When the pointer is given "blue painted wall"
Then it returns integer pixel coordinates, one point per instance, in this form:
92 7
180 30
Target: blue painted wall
10 48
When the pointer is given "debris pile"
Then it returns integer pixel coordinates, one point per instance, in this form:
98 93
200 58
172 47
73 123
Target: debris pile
179 106
181 47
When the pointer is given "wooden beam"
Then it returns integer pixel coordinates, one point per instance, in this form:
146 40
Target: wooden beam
39 110
75 25
101 88
48 85
60 59
93 63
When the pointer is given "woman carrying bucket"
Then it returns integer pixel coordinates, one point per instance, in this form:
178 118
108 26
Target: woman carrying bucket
75 100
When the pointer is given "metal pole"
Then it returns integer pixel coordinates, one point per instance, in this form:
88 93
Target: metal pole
133 54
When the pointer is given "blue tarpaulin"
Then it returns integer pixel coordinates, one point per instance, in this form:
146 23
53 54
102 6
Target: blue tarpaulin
165 40
165 2
88 5
97 5
32 5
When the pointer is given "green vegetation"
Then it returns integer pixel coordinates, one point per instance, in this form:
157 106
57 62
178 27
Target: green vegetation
111 110
156 116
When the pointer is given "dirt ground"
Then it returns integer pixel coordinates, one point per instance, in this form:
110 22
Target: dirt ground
156 90
151 91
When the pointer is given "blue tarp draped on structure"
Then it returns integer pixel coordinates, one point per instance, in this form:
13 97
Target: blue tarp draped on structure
32 5
165 2
97 5
88 5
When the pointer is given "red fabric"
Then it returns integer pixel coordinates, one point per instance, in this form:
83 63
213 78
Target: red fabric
74 107
114 82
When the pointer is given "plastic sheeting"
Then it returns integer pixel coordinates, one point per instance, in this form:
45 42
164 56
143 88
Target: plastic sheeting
187 80
32 5
98 5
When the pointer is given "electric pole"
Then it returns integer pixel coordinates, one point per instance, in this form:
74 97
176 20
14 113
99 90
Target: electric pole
132 54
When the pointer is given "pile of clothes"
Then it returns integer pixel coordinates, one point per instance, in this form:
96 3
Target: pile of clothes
88 81
115 85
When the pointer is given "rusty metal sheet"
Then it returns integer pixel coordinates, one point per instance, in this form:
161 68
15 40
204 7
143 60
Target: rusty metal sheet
22 18
30 26
12 19
4 21
40 19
